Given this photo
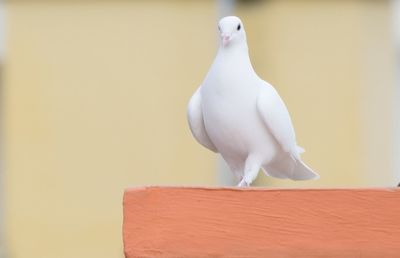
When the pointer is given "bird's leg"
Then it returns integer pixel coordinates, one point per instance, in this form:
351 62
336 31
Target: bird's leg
251 170
239 177
243 183
236 169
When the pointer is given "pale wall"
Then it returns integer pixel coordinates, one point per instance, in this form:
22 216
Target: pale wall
96 96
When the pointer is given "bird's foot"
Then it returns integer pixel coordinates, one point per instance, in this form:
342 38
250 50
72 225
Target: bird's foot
243 183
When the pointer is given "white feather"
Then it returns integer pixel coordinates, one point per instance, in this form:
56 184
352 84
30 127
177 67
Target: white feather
276 117
196 123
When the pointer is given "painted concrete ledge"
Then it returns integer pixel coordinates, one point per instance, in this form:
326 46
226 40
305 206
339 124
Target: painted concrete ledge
231 222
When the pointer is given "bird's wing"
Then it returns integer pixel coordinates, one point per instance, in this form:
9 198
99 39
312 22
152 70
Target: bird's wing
196 122
276 117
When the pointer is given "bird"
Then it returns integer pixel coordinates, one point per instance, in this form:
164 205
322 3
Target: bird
242 117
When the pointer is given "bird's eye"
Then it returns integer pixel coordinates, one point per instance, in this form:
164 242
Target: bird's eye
238 27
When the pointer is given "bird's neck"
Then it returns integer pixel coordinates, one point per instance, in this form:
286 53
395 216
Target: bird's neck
235 54
239 48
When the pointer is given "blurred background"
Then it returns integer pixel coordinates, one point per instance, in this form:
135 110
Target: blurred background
94 97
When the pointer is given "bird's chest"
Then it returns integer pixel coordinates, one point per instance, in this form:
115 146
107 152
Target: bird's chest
229 111
228 100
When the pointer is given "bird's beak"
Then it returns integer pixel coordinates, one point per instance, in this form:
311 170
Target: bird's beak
225 39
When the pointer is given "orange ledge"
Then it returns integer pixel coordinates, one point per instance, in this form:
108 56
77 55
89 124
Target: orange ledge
231 222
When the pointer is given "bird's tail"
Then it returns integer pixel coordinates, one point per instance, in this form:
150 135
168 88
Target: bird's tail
291 166
302 172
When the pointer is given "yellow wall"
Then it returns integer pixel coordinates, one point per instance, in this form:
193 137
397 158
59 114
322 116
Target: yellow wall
96 93
96 96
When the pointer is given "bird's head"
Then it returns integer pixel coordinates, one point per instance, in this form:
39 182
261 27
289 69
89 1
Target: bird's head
231 31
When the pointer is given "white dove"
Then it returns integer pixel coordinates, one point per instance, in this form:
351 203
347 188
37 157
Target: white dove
242 117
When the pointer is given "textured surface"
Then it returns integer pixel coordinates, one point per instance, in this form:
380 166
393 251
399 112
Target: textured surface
228 222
